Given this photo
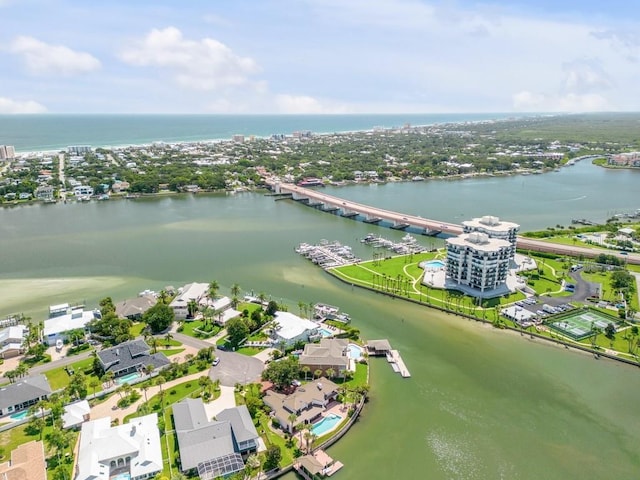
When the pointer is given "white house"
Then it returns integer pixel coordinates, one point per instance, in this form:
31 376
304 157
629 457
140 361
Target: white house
196 292
11 340
132 448
56 327
290 328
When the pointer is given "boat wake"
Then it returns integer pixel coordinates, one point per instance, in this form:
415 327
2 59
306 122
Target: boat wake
581 197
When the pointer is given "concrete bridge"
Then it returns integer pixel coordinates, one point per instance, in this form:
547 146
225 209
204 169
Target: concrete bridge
347 208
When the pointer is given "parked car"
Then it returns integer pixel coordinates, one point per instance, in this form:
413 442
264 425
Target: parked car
216 361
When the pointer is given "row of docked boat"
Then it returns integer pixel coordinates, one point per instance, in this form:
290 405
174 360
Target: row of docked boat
322 312
407 246
328 254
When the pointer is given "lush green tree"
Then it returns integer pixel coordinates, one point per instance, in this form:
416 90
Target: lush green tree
272 308
237 331
77 387
610 331
272 458
282 372
214 286
159 317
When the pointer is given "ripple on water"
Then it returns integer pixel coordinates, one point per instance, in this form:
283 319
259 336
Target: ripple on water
455 455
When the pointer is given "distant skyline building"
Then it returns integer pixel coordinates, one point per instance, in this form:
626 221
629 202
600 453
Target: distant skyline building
79 149
7 152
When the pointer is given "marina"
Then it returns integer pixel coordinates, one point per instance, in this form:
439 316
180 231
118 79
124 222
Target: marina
407 246
328 254
324 312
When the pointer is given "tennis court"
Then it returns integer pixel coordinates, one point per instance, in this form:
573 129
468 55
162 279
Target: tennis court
578 324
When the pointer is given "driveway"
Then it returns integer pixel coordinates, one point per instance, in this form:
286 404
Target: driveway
236 368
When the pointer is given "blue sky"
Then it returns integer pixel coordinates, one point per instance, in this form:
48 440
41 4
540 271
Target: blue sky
319 56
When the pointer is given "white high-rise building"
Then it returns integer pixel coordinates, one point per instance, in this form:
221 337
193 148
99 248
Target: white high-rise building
10 151
494 228
478 262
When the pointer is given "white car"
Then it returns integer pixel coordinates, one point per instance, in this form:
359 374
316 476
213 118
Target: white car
215 362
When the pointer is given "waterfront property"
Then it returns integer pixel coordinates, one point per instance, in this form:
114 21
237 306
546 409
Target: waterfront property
23 394
63 318
213 448
307 403
329 354
290 329
378 348
494 228
27 463
130 357
316 466
131 449
11 341
134 308
192 292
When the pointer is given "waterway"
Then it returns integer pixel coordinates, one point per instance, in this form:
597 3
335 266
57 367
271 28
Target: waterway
481 403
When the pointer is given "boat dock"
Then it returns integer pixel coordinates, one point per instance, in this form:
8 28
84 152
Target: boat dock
327 255
397 364
383 348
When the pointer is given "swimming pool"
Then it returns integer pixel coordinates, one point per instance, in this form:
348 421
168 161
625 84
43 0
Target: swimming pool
19 415
122 476
325 333
433 264
327 423
355 351
128 378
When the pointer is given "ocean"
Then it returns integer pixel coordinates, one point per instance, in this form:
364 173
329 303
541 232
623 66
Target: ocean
29 133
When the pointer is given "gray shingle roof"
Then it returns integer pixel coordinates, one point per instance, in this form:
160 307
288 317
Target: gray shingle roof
24 390
130 354
135 306
241 423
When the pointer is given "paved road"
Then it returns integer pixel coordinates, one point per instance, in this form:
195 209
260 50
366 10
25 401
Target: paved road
55 364
236 368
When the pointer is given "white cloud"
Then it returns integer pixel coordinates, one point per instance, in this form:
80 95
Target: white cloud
304 104
9 106
204 64
585 75
526 101
44 58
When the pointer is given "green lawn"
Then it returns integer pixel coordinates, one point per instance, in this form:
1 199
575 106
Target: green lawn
272 438
136 329
249 351
59 378
188 328
173 351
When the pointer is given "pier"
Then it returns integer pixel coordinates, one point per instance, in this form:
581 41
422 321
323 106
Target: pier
378 348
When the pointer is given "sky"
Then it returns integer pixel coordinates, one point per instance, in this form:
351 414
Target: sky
319 56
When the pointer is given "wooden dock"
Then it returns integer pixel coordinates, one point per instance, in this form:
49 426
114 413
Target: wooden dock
397 364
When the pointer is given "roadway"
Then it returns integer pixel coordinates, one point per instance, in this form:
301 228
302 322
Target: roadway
397 218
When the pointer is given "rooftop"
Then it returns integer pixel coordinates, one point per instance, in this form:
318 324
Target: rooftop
291 326
27 463
24 390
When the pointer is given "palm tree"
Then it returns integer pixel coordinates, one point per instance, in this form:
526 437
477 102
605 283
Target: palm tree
213 289
94 383
302 307
163 296
317 373
291 419
108 377
252 465
263 298
153 343
306 370
330 372
308 435
235 290
159 381
144 388
192 308
167 338
148 369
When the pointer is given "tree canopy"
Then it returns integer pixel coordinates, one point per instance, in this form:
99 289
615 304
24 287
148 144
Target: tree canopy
282 372
159 317
237 331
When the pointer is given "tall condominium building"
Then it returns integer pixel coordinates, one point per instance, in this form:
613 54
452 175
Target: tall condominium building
494 228
478 262
79 149
7 152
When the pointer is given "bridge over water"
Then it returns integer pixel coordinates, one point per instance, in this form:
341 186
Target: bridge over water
348 208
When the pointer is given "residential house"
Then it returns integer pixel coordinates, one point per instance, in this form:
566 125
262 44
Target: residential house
23 394
290 329
131 450
134 308
192 292
329 354
12 340
213 448
129 357
308 402
44 192
27 463
75 414
63 318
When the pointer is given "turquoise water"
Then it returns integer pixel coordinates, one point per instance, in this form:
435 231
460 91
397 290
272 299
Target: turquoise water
326 424
355 351
128 378
434 264
20 415
122 476
54 132
324 332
